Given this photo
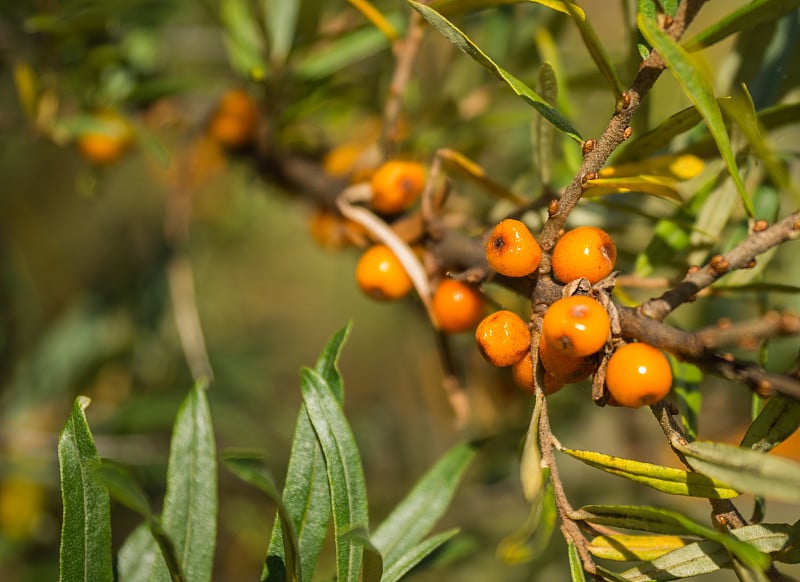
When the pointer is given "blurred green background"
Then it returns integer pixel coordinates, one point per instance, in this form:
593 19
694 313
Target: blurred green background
85 305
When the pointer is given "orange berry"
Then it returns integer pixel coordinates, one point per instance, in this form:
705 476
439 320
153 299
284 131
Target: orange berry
561 368
638 374
585 251
457 306
577 326
511 249
396 185
522 372
332 231
106 143
381 275
503 338
235 121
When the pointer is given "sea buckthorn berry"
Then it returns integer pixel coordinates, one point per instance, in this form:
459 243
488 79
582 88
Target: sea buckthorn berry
380 274
457 306
563 368
522 373
503 338
108 141
638 374
511 249
235 120
576 326
585 251
396 185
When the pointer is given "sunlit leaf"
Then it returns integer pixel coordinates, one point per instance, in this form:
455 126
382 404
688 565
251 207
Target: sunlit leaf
190 503
323 61
676 167
464 44
376 17
86 526
415 555
281 22
531 474
596 50
543 134
243 39
455 7
777 421
628 548
653 185
665 479
748 16
575 565
417 513
697 87
343 468
746 470
663 521
467 167
27 85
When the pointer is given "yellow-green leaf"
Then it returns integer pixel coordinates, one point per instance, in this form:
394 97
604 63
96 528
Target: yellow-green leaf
677 167
628 547
453 7
655 185
697 87
465 45
665 479
458 161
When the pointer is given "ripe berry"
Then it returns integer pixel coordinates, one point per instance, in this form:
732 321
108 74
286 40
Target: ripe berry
396 185
503 338
522 372
638 374
381 275
561 368
235 120
457 306
576 326
106 143
585 251
511 249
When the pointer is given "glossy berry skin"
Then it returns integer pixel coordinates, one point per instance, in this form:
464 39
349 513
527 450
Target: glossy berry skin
109 141
561 368
638 374
458 307
511 249
381 275
585 251
577 326
503 338
396 185
522 372
235 120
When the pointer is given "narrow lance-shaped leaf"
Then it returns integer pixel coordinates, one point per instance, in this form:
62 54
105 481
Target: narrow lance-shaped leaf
416 554
748 16
575 566
454 7
243 40
596 50
665 479
465 45
417 513
281 22
628 548
86 526
778 420
746 470
343 468
531 540
697 87
664 521
372 564
547 86
190 503
306 493
136 555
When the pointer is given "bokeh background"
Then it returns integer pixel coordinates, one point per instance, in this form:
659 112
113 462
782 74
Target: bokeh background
85 305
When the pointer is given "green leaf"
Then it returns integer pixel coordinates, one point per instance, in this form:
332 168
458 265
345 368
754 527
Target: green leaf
86 527
547 86
243 40
251 469
532 539
530 467
686 388
372 565
415 555
654 185
281 22
417 513
596 50
777 421
343 468
657 138
653 520
123 488
190 504
340 54
136 555
306 493
647 9
628 548
697 87
746 17
455 7
665 479
575 565
465 45
746 470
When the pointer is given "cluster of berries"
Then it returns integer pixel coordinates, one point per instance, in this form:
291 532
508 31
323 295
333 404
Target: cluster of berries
575 329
